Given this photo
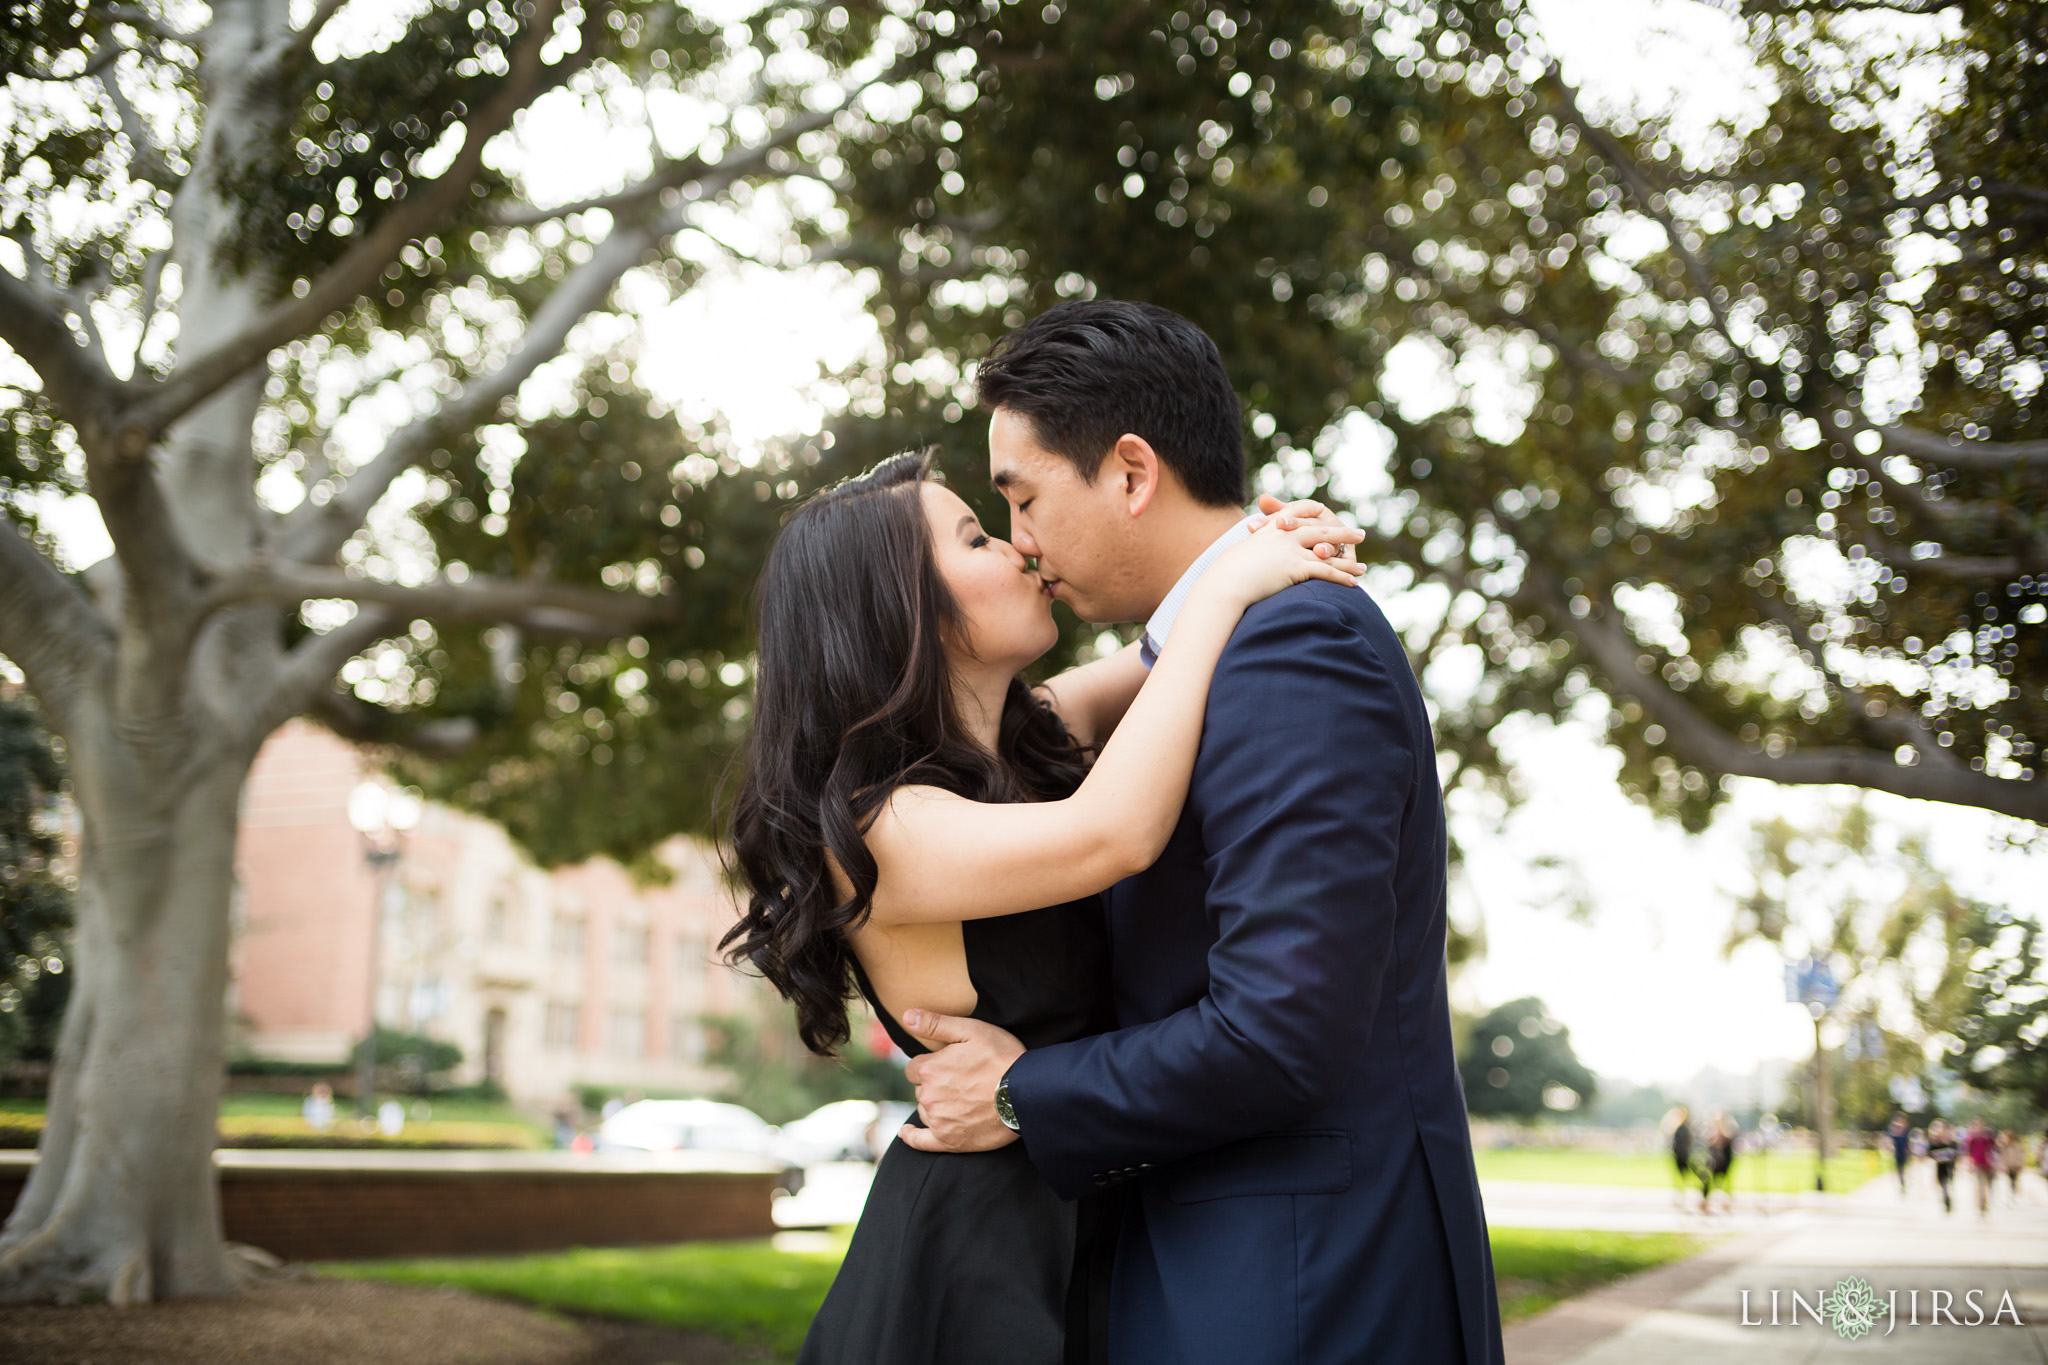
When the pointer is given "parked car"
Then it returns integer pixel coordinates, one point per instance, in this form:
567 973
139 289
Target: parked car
894 1114
845 1130
696 1125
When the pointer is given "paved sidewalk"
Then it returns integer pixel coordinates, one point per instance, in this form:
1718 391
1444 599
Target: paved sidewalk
1691 1313
1617 1208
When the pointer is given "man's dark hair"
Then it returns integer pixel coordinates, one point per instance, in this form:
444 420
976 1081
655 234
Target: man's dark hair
1085 372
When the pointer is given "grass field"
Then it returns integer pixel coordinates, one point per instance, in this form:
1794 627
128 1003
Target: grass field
751 1292
287 1106
274 1120
444 1111
743 1291
1779 1173
1535 1268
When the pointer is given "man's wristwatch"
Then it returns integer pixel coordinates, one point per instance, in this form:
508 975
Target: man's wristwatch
1004 1109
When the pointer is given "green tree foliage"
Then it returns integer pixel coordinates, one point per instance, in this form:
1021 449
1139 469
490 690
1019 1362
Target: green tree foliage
1519 1063
1863 897
1711 435
780 1080
1918 961
1993 1006
414 1062
35 895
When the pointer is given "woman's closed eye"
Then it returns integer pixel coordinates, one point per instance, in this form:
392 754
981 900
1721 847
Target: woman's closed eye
979 539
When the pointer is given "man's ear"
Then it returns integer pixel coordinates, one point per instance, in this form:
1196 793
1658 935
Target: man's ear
1135 466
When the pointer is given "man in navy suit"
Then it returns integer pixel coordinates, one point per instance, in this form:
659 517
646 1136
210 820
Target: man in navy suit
1281 1097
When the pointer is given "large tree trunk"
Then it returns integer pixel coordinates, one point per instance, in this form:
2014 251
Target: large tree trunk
123 1202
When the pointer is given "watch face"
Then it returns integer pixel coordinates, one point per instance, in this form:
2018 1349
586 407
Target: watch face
1004 1110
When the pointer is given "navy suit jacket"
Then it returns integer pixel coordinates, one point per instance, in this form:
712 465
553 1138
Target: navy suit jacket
1281 1093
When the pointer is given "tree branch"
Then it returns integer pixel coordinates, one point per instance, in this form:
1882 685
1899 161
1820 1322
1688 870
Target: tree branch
314 534
145 312
50 629
104 57
323 529
362 264
146 161
142 21
1648 195
308 670
1704 744
677 173
2029 548
1901 726
479 600
1959 568
360 723
1791 7
76 380
1992 456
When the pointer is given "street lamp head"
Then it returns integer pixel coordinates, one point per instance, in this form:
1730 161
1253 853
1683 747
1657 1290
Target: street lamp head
374 808
367 807
402 809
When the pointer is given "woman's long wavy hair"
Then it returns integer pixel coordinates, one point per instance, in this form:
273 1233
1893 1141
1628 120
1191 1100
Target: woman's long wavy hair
853 697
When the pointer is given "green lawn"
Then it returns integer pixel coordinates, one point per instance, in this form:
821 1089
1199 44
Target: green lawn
750 1292
1779 1173
444 1111
1537 1267
260 1120
743 1291
287 1106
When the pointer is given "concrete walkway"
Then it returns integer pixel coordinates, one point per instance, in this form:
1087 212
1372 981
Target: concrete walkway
1615 1208
1692 1313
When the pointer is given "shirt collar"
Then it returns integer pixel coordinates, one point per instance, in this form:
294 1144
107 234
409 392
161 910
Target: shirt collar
1161 622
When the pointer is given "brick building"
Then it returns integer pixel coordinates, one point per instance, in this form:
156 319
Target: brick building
544 979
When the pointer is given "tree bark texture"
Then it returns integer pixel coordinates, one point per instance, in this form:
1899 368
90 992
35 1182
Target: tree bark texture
123 1203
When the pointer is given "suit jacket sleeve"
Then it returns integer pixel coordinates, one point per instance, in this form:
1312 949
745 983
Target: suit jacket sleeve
1306 770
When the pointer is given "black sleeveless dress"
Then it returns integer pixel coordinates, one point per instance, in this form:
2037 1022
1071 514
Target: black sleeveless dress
969 1258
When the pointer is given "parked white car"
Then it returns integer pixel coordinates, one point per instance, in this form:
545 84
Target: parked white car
687 1125
833 1132
697 1125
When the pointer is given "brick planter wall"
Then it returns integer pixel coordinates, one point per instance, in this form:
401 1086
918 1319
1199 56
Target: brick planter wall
310 1206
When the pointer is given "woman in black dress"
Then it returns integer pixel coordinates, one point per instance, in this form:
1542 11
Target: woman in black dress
918 825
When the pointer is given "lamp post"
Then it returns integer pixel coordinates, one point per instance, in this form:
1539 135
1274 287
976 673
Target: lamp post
1811 982
382 816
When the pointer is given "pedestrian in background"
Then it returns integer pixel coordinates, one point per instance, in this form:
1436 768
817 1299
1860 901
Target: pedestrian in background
1717 1172
1981 1147
1677 1127
2012 1161
1941 1150
318 1110
1901 1135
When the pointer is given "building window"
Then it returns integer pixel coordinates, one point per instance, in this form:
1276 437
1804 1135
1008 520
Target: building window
566 942
500 924
692 957
629 945
560 1028
626 1035
686 1038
